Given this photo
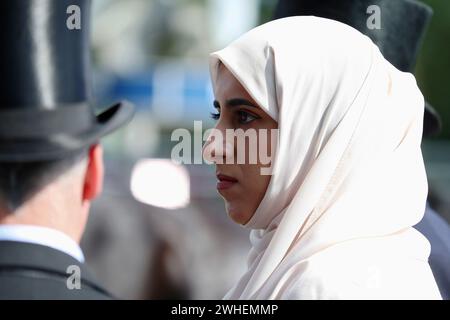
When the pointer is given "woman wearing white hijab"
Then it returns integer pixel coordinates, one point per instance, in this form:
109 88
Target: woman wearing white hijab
334 220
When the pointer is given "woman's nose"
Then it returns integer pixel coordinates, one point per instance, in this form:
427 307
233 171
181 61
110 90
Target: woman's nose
216 149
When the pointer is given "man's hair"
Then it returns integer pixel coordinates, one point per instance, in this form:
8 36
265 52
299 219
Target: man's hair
19 182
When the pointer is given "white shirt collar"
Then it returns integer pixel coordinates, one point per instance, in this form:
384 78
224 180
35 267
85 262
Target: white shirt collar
42 236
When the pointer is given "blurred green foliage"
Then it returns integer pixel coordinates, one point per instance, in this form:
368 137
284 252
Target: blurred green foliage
433 66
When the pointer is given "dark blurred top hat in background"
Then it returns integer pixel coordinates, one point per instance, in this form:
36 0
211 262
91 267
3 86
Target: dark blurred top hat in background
403 24
46 109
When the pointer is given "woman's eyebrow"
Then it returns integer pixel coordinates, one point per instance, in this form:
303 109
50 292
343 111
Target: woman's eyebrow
235 102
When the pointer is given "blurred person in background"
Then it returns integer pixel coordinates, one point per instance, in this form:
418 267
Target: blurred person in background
403 25
51 165
335 218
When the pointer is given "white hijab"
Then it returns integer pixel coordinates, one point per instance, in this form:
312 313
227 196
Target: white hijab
348 177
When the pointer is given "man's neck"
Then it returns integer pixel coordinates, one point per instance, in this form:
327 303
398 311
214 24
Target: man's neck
45 217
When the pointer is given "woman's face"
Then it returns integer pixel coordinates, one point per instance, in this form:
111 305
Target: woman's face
241 185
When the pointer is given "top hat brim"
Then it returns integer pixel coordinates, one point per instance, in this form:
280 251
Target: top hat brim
432 123
59 146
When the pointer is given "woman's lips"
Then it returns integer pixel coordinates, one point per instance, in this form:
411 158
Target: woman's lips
225 182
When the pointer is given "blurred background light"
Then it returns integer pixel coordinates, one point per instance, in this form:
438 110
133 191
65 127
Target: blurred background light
161 183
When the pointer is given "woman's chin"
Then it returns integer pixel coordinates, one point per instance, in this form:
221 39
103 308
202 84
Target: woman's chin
237 215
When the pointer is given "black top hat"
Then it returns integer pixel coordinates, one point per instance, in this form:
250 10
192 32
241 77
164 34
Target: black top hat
45 105
403 24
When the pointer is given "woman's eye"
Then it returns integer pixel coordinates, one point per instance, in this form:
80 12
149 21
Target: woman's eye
215 116
245 117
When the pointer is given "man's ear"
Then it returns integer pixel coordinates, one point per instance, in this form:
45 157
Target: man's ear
93 181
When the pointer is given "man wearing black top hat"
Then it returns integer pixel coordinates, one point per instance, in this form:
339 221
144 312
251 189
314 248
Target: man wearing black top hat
51 165
403 24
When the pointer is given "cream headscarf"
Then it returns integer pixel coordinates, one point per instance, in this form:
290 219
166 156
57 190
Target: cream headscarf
348 177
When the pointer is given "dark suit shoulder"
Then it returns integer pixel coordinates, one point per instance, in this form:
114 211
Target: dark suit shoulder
30 271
